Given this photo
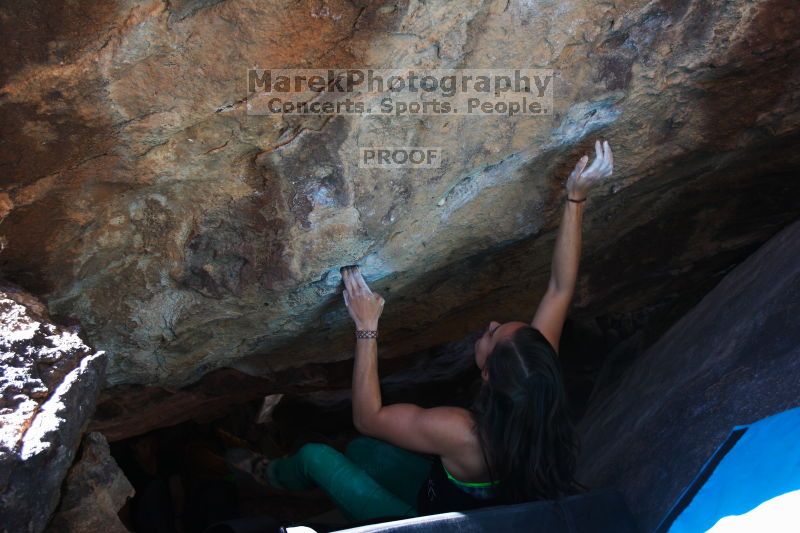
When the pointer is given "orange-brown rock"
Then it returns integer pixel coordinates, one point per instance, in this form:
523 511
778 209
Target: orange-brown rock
185 235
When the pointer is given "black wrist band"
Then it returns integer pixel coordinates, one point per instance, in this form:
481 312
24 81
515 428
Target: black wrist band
576 201
366 334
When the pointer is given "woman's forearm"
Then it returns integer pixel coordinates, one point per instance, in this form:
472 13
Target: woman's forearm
566 257
365 308
366 385
567 254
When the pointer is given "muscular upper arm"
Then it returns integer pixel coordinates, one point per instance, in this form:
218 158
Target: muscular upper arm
551 314
438 430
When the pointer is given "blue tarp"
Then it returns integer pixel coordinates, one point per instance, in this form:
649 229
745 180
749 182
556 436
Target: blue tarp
756 484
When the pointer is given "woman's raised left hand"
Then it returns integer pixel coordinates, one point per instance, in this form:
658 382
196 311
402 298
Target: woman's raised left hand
365 307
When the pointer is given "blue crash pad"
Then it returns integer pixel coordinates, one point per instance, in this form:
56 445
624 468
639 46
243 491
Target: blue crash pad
752 483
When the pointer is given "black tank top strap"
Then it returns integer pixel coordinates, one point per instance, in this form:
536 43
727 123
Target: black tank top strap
438 494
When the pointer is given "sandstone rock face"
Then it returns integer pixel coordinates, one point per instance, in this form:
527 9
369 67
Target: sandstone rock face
186 236
48 390
734 359
94 492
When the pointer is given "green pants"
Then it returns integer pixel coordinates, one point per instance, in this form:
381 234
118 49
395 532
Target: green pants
372 479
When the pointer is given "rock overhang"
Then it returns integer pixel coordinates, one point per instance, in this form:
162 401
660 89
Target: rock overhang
187 236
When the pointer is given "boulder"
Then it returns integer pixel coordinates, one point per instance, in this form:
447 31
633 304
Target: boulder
48 389
94 492
733 359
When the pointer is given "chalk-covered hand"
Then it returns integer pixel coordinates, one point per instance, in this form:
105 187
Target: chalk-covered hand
583 178
365 306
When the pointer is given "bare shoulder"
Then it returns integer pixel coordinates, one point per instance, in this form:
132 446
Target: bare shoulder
438 430
456 426
453 431
464 458
454 418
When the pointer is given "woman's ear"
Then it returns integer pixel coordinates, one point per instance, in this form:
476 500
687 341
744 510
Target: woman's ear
485 373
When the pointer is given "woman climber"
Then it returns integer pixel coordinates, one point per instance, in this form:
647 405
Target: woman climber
515 443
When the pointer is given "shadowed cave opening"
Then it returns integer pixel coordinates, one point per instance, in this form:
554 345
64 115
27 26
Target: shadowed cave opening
183 484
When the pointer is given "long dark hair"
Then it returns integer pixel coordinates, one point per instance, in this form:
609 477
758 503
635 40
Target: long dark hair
523 422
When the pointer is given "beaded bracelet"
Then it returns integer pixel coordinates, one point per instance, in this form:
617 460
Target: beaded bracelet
366 334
